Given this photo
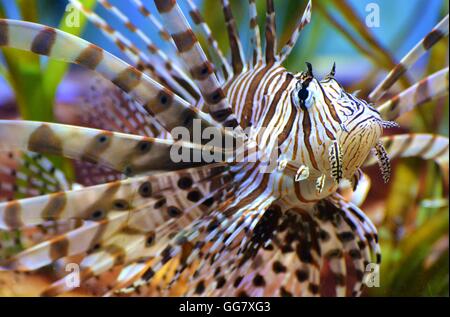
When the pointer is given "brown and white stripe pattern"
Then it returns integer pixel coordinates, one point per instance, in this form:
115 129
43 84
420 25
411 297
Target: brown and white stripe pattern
434 86
237 53
162 32
271 34
440 31
255 39
170 66
213 46
169 109
196 61
171 76
126 153
136 208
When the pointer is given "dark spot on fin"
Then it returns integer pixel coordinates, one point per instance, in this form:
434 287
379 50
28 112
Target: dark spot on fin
44 41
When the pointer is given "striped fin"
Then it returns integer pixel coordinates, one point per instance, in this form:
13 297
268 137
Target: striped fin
283 255
363 226
89 174
149 65
242 250
346 234
249 271
124 236
271 33
126 153
172 76
427 89
66 205
203 234
201 70
96 265
213 46
255 37
383 161
185 187
106 107
424 146
180 77
162 32
359 239
29 237
121 230
169 109
237 52
286 264
439 31
117 250
170 243
331 247
305 19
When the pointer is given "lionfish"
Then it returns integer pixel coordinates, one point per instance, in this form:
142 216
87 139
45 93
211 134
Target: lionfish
222 227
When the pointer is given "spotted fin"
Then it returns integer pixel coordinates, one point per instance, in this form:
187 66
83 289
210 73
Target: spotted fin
287 252
126 153
255 39
151 62
169 109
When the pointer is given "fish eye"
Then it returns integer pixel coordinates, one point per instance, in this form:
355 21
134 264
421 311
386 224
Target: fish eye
303 94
